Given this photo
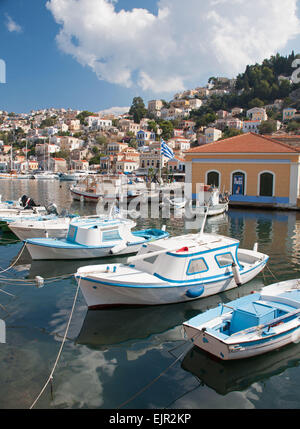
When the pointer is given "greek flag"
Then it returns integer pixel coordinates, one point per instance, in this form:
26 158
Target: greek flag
166 150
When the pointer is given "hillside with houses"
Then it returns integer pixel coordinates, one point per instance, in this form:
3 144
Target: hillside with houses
264 100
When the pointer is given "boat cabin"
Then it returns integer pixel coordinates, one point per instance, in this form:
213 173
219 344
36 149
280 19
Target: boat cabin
94 233
189 258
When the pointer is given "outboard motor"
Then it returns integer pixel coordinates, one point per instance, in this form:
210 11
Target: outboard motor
52 209
27 202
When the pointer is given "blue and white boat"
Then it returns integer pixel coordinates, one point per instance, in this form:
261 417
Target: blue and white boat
255 324
177 269
94 238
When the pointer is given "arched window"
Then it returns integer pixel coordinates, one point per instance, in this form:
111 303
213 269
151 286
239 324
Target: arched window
266 184
238 183
213 179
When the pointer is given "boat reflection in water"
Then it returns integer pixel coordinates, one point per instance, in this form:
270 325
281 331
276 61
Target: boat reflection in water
114 326
228 376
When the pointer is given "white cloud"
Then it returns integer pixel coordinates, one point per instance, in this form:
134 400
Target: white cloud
183 43
12 26
115 110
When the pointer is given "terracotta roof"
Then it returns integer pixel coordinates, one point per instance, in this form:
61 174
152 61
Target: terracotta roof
245 143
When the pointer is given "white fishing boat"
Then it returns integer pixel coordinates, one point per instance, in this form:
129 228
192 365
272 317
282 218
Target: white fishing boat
96 238
54 228
255 324
45 175
175 203
177 269
73 175
210 202
51 228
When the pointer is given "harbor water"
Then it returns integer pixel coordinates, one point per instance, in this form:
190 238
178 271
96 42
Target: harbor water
134 358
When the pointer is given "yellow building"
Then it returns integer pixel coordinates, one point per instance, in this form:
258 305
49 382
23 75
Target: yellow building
254 169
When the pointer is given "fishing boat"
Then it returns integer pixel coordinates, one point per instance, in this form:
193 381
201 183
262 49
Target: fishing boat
96 238
45 175
31 228
210 201
249 326
177 269
175 203
73 175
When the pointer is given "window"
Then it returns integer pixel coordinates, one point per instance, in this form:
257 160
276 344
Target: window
224 260
111 235
213 179
266 185
197 266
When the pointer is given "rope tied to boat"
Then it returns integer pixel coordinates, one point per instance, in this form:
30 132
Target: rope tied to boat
50 378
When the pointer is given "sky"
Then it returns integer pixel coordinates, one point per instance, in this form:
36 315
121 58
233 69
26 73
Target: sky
99 54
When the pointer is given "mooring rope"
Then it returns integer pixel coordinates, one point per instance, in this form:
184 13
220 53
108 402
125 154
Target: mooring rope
160 375
14 263
50 378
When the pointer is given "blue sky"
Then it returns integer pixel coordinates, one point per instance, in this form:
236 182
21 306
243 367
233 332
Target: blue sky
146 54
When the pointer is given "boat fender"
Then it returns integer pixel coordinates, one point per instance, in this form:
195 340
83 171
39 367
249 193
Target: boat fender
46 234
236 274
39 281
195 292
118 248
255 247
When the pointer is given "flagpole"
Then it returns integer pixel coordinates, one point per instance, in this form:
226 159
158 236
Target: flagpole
160 163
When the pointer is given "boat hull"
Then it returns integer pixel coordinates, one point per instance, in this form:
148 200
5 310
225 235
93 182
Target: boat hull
25 233
241 349
39 252
100 293
85 196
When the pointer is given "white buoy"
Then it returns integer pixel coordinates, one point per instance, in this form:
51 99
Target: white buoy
236 274
164 227
39 281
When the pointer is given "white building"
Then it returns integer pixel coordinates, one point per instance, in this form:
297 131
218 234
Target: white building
212 135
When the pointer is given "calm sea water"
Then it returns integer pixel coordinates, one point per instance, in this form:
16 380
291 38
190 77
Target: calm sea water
136 358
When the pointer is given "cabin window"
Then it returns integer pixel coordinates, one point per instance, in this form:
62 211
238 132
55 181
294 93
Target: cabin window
224 260
197 266
72 232
111 235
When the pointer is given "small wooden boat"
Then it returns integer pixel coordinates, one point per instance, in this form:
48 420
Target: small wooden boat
177 269
94 238
255 324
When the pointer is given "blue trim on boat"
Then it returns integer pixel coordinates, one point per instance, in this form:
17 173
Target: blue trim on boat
66 244
178 283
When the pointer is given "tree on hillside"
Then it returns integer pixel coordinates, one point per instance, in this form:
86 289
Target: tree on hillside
268 127
83 115
138 110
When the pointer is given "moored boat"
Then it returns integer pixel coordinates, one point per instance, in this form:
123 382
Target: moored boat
94 238
255 324
177 269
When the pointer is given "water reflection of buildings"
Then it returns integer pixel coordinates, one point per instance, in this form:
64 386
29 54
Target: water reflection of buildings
226 377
